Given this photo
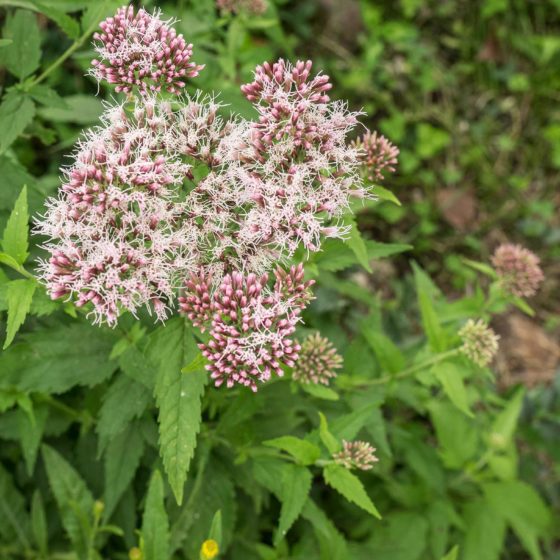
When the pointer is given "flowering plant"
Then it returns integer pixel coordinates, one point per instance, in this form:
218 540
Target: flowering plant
207 354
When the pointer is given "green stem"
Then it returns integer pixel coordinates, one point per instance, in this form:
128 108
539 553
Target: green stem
410 370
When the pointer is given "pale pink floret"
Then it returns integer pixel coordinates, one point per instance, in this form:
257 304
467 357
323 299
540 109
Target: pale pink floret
140 50
518 269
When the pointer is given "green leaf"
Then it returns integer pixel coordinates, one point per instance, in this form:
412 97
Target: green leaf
80 109
401 537
485 532
155 524
216 528
39 523
349 486
430 321
15 521
329 441
31 429
452 554
336 255
296 484
521 507
124 401
19 295
72 496
332 543
55 359
304 452
178 397
47 96
481 267
121 462
450 377
457 436
23 56
320 391
388 355
16 232
16 112
69 25
505 423
357 243
385 194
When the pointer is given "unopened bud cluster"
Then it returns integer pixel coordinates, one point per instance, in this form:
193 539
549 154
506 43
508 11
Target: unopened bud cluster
356 455
480 342
168 199
318 361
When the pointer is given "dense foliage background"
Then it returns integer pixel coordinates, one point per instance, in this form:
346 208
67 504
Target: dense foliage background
468 468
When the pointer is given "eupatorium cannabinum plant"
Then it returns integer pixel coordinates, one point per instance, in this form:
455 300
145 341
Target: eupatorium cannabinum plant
170 202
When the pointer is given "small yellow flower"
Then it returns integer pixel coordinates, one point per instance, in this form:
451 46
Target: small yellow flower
209 549
135 554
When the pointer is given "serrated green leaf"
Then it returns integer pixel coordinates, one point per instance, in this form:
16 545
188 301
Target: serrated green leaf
124 401
329 441
449 375
16 112
521 507
72 496
54 360
19 295
39 523
349 486
122 459
22 57
296 484
155 524
178 397
15 238
304 452
216 492
15 521
385 194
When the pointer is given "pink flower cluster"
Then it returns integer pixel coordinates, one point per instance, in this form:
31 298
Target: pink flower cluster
377 154
250 326
518 269
140 50
167 198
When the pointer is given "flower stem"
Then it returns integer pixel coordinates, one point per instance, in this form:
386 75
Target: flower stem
67 53
387 378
